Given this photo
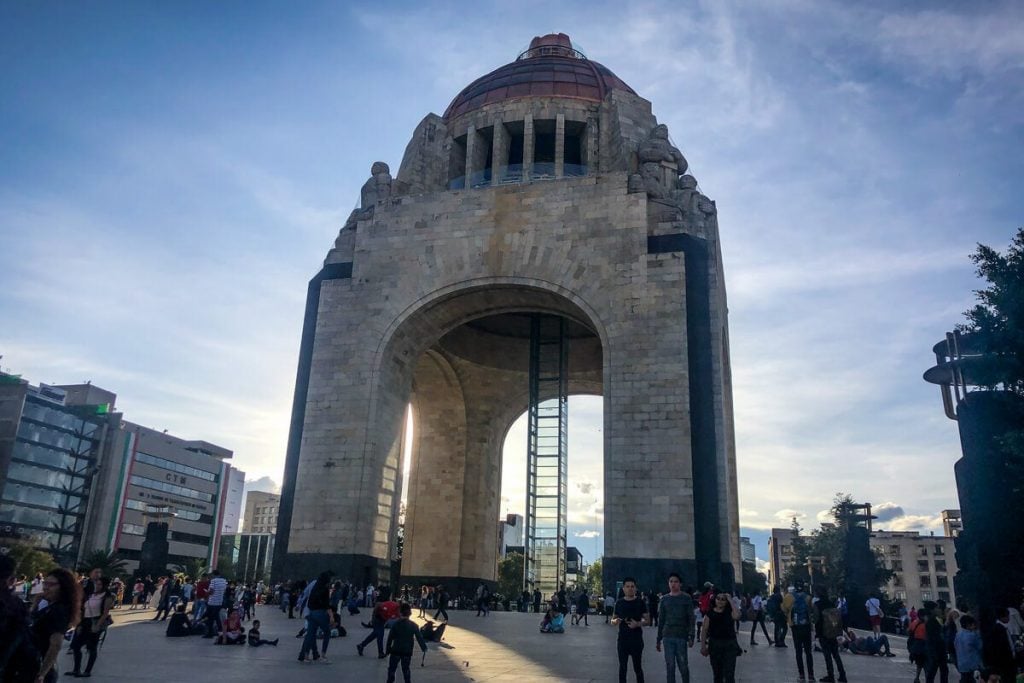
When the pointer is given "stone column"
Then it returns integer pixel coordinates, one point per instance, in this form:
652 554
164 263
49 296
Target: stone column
499 153
559 145
471 143
593 135
527 147
433 521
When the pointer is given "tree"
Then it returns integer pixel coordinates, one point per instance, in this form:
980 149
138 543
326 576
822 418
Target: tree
510 575
996 322
28 559
801 550
111 563
594 584
194 568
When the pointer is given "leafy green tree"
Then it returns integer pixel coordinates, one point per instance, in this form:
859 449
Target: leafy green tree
194 568
111 563
996 322
801 550
28 559
510 575
594 585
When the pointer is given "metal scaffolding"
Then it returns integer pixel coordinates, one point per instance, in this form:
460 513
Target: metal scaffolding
547 455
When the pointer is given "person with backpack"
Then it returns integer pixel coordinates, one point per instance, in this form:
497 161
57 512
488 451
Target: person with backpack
774 609
797 607
916 642
828 624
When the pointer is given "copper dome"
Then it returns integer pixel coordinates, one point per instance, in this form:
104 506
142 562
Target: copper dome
549 67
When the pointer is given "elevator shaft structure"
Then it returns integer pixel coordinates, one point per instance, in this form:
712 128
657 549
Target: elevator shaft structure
547 454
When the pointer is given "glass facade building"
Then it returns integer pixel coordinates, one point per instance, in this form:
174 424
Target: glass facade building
50 456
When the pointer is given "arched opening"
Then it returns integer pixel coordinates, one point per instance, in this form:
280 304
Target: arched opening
466 391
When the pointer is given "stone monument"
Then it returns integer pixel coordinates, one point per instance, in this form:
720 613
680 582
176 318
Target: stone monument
546 191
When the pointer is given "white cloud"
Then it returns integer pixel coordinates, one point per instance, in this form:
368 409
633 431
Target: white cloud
589 533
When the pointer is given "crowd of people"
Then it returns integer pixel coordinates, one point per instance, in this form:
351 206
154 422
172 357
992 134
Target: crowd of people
38 615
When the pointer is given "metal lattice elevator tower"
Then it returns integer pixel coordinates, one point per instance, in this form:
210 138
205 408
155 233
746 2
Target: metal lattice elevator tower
547 454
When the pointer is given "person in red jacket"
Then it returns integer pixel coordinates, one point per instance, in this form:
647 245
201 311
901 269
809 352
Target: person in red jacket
384 612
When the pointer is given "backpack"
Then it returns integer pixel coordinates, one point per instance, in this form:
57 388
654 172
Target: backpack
799 612
831 623
916 646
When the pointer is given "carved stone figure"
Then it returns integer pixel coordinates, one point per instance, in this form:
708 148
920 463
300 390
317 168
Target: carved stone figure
378 187
660 163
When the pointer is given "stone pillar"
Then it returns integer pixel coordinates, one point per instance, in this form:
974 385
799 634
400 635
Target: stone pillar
471 143
528 147
499 153
592 137
559 145
433 522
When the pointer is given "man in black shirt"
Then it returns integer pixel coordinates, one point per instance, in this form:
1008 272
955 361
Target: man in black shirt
631 616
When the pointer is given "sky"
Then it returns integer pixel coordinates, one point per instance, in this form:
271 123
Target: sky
172 174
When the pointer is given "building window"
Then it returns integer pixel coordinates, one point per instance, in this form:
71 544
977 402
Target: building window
922 566
901 595
938 550
940 566
926 595
133 529
924 550
894 550
926 581
897 565
174 466
942 581
897 580
944 595
171 488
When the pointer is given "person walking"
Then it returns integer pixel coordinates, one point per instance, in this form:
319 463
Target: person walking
675 629
797 607
94 621
631 617
62 610
934 643
997 646
582 608
400 644
757 611
718 638
17 657
779 625
828 624
318 599
442 603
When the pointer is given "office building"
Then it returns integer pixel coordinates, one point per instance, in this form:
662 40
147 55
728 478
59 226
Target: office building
510 534
52 445
780 555
232 522
246 557
924 566
747 551
261 510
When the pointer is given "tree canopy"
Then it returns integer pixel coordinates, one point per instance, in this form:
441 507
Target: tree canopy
996 321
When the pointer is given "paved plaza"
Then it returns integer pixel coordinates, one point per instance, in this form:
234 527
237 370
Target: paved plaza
501 647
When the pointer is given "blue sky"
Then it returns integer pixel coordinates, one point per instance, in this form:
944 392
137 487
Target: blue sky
172 174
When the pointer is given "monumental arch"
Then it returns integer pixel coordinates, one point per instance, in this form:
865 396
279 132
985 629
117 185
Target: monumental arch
546 191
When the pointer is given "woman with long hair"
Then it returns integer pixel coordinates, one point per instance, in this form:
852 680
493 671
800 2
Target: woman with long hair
718 638
95 619
63 608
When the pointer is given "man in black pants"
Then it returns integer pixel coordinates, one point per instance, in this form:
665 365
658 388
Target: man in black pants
631 616
797 606
774 605
442 604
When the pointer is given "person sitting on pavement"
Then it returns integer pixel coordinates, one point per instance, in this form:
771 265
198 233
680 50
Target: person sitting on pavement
180 626
553 622
865 646
233 633
254 636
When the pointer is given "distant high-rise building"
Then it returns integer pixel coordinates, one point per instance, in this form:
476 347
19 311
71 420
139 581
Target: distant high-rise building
510 533
233 495
952 524
748 553
261 512
780 555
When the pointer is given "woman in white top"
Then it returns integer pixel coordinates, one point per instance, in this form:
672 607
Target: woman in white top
95 618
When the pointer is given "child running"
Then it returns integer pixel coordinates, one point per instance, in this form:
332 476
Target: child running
400 643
